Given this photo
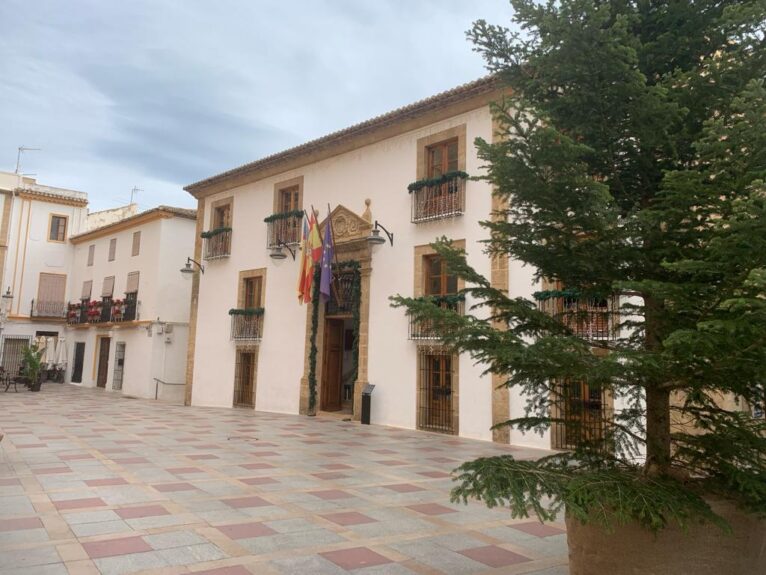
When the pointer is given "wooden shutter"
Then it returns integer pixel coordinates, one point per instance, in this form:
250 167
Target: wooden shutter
112 249
136 244
132 285
108 288
52 288
87 289
91 253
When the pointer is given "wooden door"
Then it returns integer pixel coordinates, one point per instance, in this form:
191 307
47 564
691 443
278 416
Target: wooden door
103 361
333 365
436 409
79 360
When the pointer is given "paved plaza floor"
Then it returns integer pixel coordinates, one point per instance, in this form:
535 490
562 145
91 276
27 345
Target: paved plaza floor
91 482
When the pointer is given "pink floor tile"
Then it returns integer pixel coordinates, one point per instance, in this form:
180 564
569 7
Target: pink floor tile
494 556
20 523
30 445
538 529
246 530
258 480
442 459
266 453
5 481
355 558
105 482
167 487
385 451
113 547
434 474
349 518
202 456
331 494
431 509
327 475
51 470
404 488
80 503
391 462
257 465
242 502
336 466
142 511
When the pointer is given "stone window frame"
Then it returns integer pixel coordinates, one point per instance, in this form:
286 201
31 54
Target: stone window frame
284 184
50 227
419 289
229 200
457 132
246 274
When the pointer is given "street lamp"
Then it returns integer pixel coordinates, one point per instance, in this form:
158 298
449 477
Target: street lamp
187 269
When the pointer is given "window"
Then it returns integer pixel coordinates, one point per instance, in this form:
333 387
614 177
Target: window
251 288
437 280
51 296
112 249
132 285
437 390
218 237
136 249
57 231
87 289
441 158
288 200
107 288
222 216
91 253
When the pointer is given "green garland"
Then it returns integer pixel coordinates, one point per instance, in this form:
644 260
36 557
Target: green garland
356 291
427 182
211 233
250 311
450 299
313 351
283 216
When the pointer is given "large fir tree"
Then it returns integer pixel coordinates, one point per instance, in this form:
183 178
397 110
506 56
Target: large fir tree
632 165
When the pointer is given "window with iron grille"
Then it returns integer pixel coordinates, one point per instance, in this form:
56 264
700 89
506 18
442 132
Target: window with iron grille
583 416
445 198
217 240
437 378
437 282
588 317
244 379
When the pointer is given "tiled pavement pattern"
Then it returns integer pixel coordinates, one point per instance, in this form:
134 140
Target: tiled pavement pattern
91 482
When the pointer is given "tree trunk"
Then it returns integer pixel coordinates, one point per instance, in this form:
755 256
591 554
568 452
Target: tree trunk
657 399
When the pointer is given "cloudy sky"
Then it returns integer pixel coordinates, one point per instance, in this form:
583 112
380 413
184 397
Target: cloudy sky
161 93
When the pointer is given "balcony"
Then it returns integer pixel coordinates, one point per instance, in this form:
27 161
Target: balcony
283 228
48 309
106 311
438 198
428 329
588 318
217 243
246 324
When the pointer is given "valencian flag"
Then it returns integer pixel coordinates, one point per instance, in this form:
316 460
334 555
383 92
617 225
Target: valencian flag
327 255
312 255
302 267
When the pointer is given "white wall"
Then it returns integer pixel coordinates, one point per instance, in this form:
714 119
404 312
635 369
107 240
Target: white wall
381 172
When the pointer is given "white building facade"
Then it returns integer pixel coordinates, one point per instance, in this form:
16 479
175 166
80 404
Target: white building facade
36 259
128 311
245 312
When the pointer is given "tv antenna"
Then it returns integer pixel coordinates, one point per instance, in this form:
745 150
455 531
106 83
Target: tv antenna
23 149
133 192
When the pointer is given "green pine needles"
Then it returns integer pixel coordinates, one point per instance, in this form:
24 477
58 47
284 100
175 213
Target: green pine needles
632 169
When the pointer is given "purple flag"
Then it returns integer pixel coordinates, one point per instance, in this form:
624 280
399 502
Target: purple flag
325 280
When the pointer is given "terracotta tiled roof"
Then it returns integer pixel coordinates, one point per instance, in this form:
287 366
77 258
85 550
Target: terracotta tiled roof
484 85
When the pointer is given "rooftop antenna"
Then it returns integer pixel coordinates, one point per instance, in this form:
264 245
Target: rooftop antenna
133 192
23 149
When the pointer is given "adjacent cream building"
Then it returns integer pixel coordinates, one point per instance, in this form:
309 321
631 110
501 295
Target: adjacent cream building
245 312
128 311
35 260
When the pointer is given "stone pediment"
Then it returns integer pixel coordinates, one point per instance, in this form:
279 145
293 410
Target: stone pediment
347 226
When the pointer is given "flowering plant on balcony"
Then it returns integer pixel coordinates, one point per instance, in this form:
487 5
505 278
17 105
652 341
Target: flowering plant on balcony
117 307
94 309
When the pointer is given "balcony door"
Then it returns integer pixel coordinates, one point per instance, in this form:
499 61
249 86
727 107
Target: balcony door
103 361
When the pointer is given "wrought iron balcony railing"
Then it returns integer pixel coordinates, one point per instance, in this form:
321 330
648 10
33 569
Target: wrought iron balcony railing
48 309
217 243
246 324
430 329
283 228
445 199
105 311
588 318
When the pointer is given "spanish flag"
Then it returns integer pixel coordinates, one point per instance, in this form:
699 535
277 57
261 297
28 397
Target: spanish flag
302 267
312 256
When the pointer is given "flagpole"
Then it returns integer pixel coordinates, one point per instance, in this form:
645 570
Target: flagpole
334 254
